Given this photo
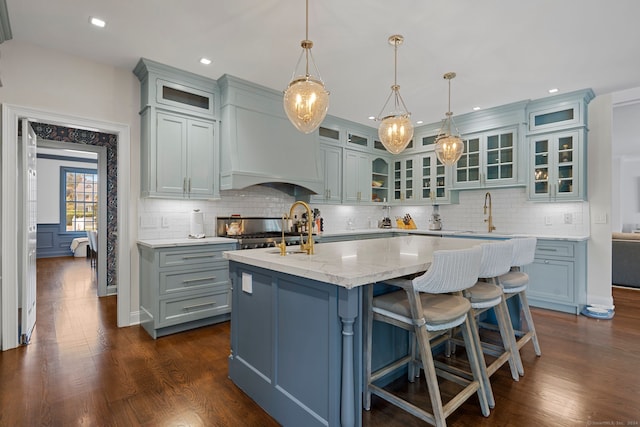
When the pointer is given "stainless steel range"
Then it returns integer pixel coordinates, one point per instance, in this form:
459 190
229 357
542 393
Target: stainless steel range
255 232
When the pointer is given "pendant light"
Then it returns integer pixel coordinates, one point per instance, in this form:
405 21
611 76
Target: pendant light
449 147
306 100
396 129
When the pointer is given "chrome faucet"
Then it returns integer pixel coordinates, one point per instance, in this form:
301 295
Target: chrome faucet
488 220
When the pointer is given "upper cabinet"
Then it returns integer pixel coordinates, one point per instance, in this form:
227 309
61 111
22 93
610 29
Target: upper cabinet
557 166
558 147
331 166
434 180
178 139
379 180
357 177
489 160
183 151
404 179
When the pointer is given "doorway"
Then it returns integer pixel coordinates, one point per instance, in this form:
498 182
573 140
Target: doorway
106 285
10 281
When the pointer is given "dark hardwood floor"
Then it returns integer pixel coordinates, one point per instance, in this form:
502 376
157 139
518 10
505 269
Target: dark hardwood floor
80 369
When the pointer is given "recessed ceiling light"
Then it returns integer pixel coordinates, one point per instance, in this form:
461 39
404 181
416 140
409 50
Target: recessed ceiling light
419 122
372 118
554 90
205 61
97 22
476 108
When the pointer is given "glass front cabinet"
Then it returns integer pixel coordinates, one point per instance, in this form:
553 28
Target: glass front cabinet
556 166
489 159
433 179
404 170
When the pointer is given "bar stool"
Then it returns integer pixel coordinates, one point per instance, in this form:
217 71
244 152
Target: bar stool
515 282
424 308
487 294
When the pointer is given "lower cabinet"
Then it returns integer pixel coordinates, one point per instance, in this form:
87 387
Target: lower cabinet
557 276
183 287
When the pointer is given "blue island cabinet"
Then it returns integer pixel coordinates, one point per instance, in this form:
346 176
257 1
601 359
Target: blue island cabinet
296 346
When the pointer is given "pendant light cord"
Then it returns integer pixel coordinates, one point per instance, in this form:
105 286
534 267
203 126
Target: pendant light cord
306 37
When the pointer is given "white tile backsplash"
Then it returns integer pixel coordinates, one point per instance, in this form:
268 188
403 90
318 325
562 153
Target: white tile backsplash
512 213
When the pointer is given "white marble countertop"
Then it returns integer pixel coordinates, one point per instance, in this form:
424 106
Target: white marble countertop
427 232
355 262
168 243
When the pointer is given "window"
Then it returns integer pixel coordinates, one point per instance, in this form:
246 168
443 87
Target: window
79 199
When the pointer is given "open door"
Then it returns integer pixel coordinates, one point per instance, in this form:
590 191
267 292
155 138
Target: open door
27 234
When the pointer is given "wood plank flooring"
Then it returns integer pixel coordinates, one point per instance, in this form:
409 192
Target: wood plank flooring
80 369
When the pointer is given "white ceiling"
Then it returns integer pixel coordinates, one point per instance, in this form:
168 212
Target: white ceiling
502 50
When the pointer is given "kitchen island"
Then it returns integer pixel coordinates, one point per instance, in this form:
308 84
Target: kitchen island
296 323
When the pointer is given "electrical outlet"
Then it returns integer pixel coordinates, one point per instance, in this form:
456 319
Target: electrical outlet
547 220
148 222
568 218
165 222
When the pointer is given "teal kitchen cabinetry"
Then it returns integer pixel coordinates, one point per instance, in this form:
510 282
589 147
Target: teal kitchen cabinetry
558 275
380 180
184 154
357 177
183 287
490 159
178 138
557 164
558 147
434 179
331 168
405 169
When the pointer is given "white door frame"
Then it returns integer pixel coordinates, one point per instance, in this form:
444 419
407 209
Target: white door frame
9 264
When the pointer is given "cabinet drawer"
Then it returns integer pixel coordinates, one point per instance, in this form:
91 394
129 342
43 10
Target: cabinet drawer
179 310
546 249
192 280
176 258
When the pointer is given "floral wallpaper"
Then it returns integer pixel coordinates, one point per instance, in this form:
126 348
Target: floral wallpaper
80 136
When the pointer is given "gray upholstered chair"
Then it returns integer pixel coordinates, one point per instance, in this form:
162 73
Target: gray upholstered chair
426 309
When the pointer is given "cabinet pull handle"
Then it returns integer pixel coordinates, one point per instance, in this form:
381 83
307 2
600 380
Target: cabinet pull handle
547 249
191 307
189 185
329 193
201 279
197 256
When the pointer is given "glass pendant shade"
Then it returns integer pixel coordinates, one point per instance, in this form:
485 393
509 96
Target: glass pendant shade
395 132
449 149
306 102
